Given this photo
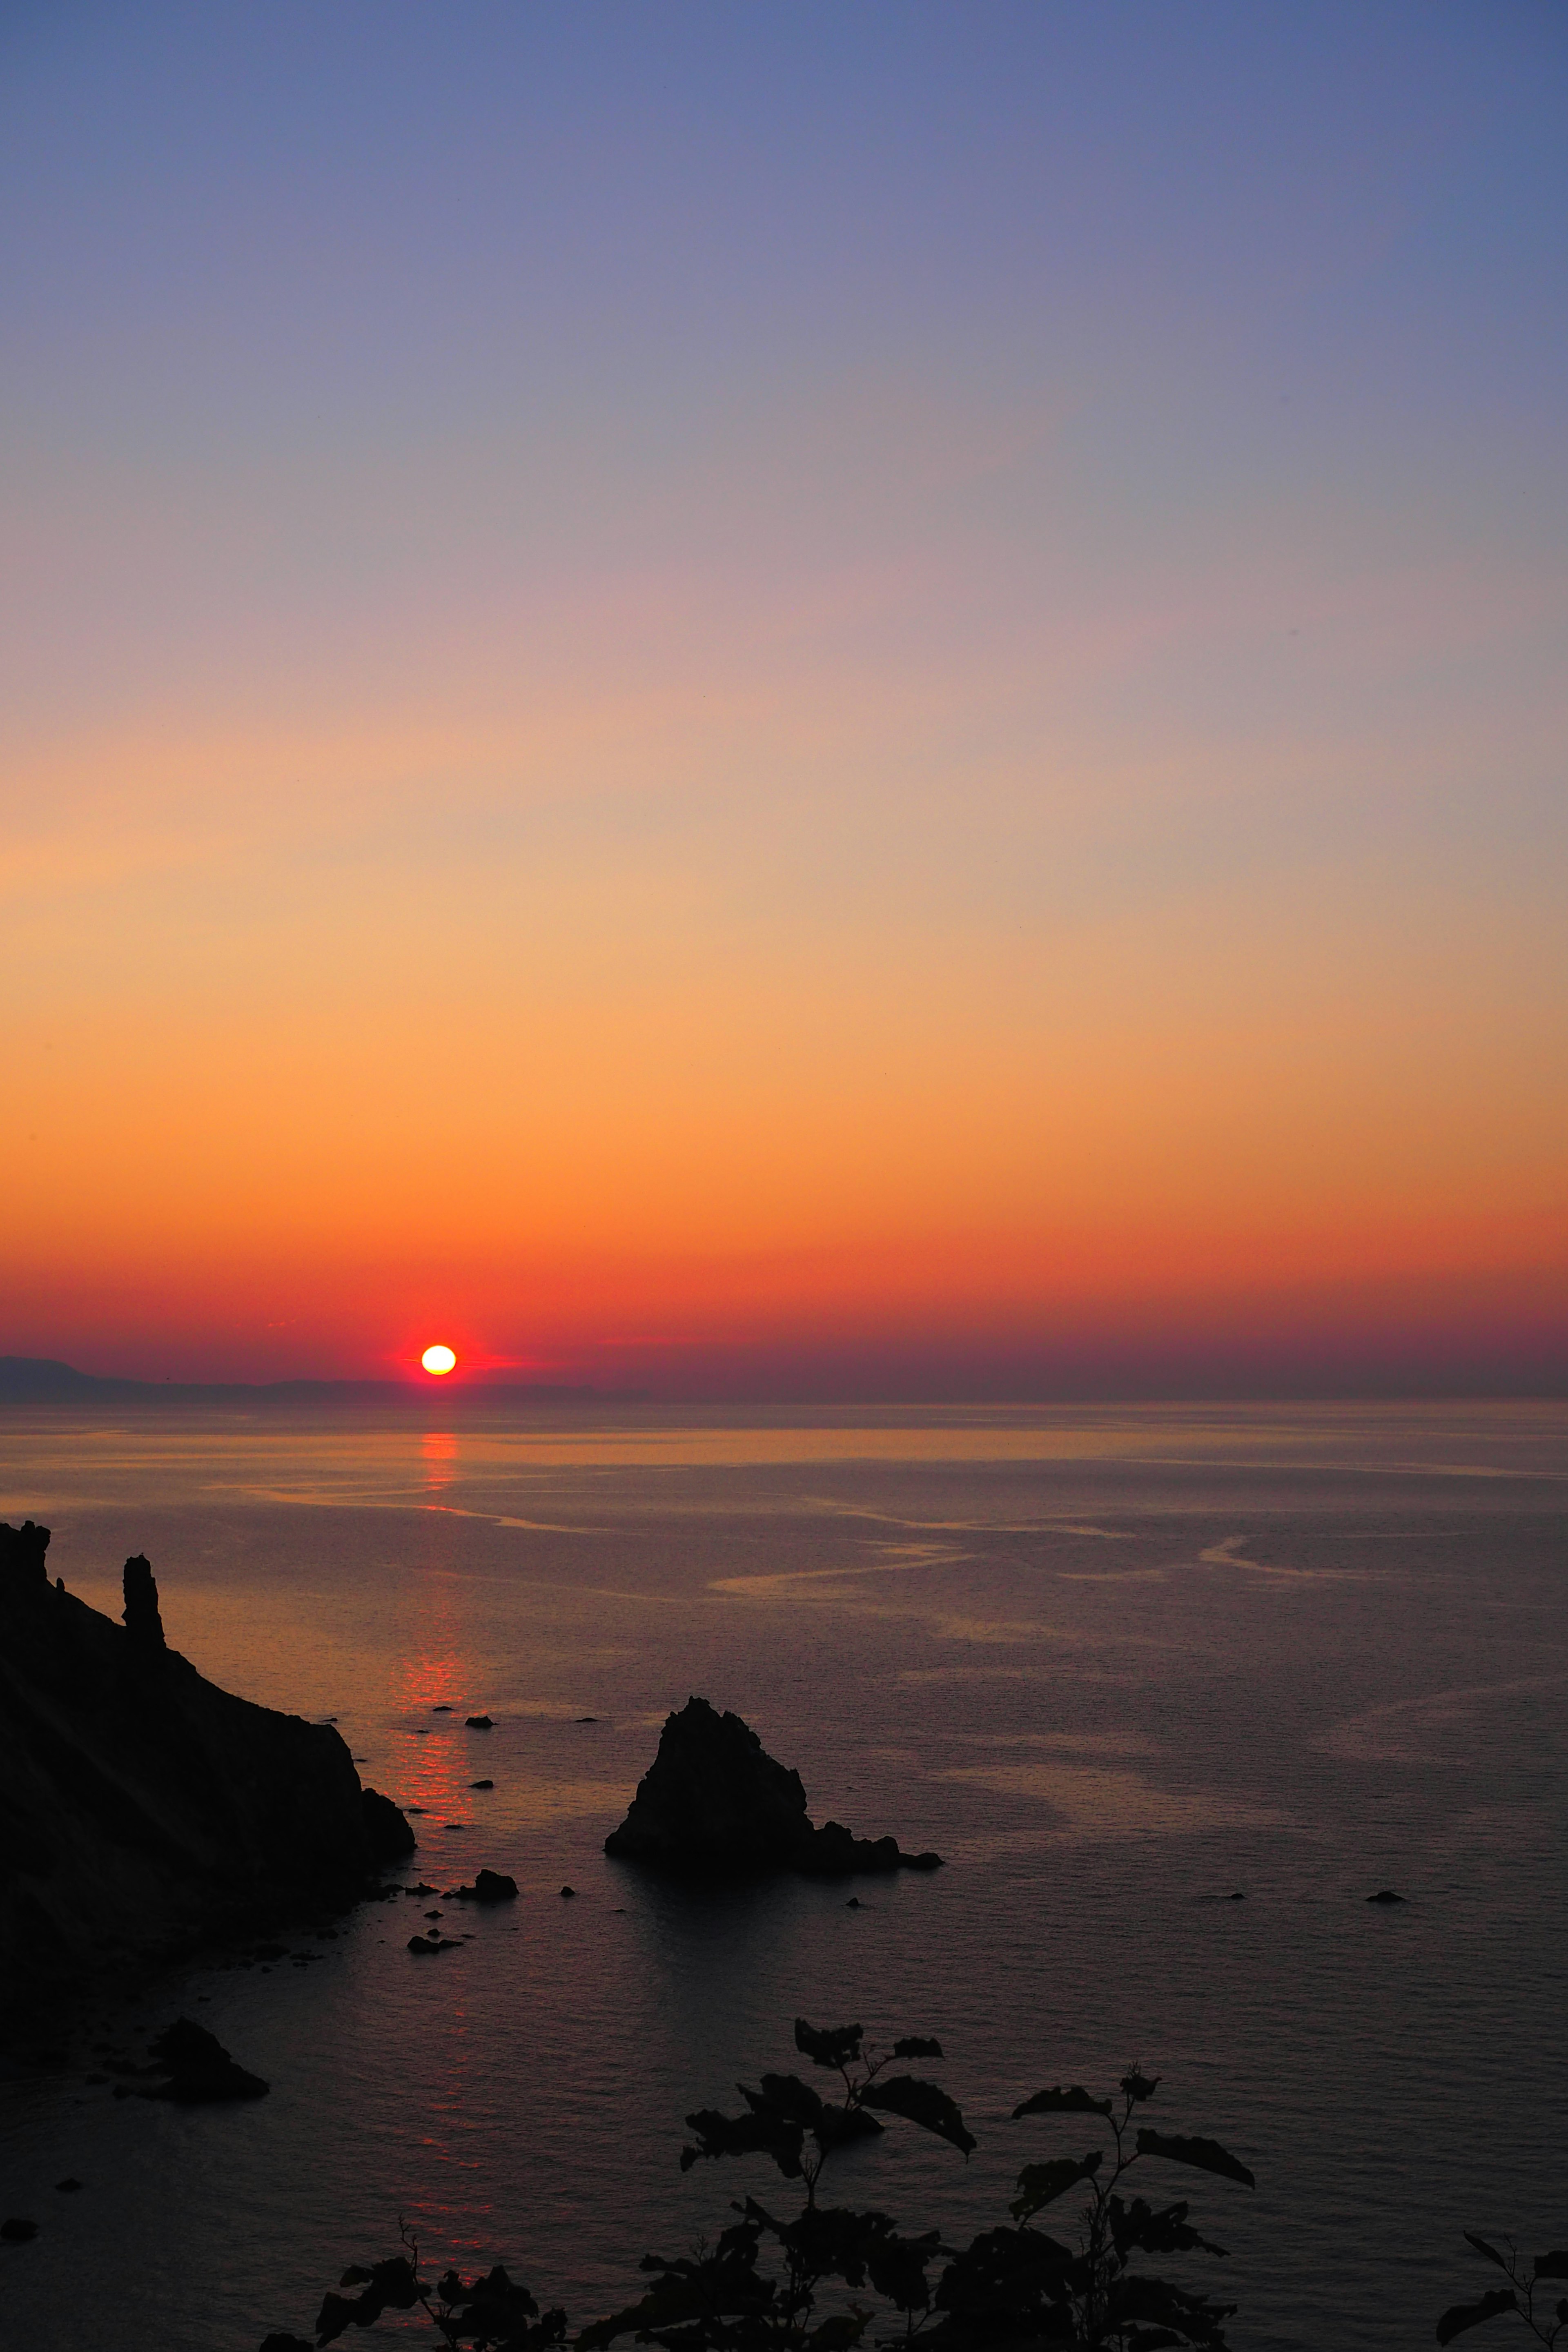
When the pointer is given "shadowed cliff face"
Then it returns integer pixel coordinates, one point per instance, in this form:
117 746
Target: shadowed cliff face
715 1801
147 1808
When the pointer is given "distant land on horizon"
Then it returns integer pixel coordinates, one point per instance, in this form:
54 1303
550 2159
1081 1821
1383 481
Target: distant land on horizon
39 1379
42 1381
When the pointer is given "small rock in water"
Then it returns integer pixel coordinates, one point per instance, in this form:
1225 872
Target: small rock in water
16 2231
199 2068
1387 1895
569 1890
442 1709
479 1723
587 1718
1238 1896
426 1944
854 1904
481 1784
489 1886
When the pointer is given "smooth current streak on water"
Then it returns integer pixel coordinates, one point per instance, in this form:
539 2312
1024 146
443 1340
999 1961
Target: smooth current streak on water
1116 1664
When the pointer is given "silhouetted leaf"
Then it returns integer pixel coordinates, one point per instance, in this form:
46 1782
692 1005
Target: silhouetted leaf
898 2270
1163 2230
833 2045
917 2045
1154 2311
1471 2315
392 2286
840 2332
1481 2247
716 2286
1206 2154
1004 2271
1140 2087
492 2305
831 2240
921 2103
1040 2184
1076 2102
754 2134
786 2095
1552 2265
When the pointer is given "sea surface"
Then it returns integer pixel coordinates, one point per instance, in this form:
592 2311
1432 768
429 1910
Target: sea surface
1119 1665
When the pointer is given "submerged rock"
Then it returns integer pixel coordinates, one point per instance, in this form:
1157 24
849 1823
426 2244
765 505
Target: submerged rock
1386 1895
714 1800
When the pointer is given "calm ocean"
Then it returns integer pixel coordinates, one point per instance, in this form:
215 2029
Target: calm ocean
1115 1663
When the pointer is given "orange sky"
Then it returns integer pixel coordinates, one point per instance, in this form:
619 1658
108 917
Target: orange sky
937 826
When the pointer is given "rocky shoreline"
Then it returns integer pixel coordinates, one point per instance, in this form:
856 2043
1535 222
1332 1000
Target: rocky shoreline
148 1813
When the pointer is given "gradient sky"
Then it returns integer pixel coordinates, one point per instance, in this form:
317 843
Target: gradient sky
786 697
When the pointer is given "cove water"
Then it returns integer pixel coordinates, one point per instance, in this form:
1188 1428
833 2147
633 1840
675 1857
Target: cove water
1118 1665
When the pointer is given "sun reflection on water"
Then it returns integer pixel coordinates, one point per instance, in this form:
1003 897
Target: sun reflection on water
438 1448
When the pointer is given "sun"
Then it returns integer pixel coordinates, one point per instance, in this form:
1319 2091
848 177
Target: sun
440 1359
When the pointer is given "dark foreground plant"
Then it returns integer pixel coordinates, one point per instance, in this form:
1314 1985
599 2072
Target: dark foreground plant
491 2311
1518 2295
762 2286
1022 2287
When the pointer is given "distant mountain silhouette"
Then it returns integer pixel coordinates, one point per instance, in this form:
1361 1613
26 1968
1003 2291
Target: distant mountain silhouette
39 1379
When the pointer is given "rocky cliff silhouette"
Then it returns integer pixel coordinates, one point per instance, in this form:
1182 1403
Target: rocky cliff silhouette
714 1800
147 1810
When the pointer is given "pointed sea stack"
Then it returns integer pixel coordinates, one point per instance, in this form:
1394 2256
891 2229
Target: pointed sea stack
715 1803
140 1616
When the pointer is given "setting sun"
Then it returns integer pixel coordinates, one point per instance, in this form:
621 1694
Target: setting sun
438 1359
